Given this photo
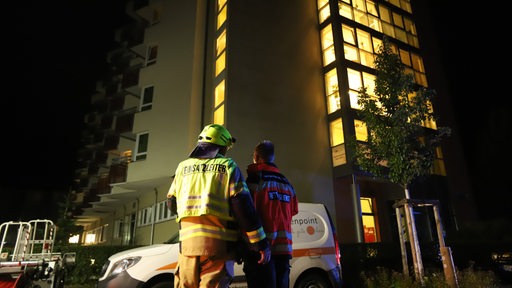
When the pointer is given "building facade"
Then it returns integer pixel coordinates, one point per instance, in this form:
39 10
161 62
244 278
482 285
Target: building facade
286 71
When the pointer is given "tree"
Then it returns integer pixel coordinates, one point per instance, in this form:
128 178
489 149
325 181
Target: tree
402 136
399 148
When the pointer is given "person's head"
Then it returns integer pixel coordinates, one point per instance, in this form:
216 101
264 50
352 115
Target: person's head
263 152
213 139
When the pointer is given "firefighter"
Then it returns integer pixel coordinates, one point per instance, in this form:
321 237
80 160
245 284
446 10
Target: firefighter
213 204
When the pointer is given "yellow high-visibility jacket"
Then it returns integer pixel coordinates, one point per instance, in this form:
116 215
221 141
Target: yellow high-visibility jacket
213 204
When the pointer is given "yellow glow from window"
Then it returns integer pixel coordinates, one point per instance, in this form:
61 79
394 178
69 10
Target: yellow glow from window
222 16
348 34
331 87
354 79
368 219
351 53
327 45
219 93
324 12
337 137
366 205
218 115
221 42
361 131
354 97
369 83
345 10
221 3
220 64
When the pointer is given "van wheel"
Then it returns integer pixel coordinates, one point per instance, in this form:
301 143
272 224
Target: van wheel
164 284
313 280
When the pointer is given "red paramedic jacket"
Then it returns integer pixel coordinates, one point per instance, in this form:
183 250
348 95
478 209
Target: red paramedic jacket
276 204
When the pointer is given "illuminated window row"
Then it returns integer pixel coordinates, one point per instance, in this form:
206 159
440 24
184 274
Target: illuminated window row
220 63
360 47
379 18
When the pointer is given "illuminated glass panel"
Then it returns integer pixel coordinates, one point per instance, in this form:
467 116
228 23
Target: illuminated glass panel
221 3
404 57
409 26
323 10
337 148
397 20
220 64
218 115
351 53
406 5
327 45
369 220
371 7
369 83
354 97
361 131
374 23
367 58
222 16
377 43
332 90
417 62
354 79
359 4
348 33
361 17
337 137
384 14
363 40
219 93
221 42
345 10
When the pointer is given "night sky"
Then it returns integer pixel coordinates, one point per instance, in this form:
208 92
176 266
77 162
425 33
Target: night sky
64 50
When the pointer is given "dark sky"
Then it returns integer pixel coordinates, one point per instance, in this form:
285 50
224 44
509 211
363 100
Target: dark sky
64 50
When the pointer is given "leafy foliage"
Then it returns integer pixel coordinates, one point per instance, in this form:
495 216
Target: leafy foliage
398 147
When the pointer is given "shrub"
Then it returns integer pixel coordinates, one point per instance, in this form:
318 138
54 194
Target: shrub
468 278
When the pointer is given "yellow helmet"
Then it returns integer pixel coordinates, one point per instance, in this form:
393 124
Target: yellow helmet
216 134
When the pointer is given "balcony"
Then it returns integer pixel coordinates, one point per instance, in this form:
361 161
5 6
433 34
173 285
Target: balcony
119 170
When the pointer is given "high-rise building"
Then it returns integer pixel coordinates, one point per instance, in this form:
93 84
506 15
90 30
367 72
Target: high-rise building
288 71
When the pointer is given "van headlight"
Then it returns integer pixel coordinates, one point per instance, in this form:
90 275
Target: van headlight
124 264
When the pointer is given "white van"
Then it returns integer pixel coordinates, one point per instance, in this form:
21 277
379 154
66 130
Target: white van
315 262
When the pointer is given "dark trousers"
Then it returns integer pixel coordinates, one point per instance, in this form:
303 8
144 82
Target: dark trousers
275 274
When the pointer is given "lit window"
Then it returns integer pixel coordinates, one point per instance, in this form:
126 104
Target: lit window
327 45
323 10
361 131
337 132
369 220
337 139
218 115
222 16
220 63
221 42
332 89
219 93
